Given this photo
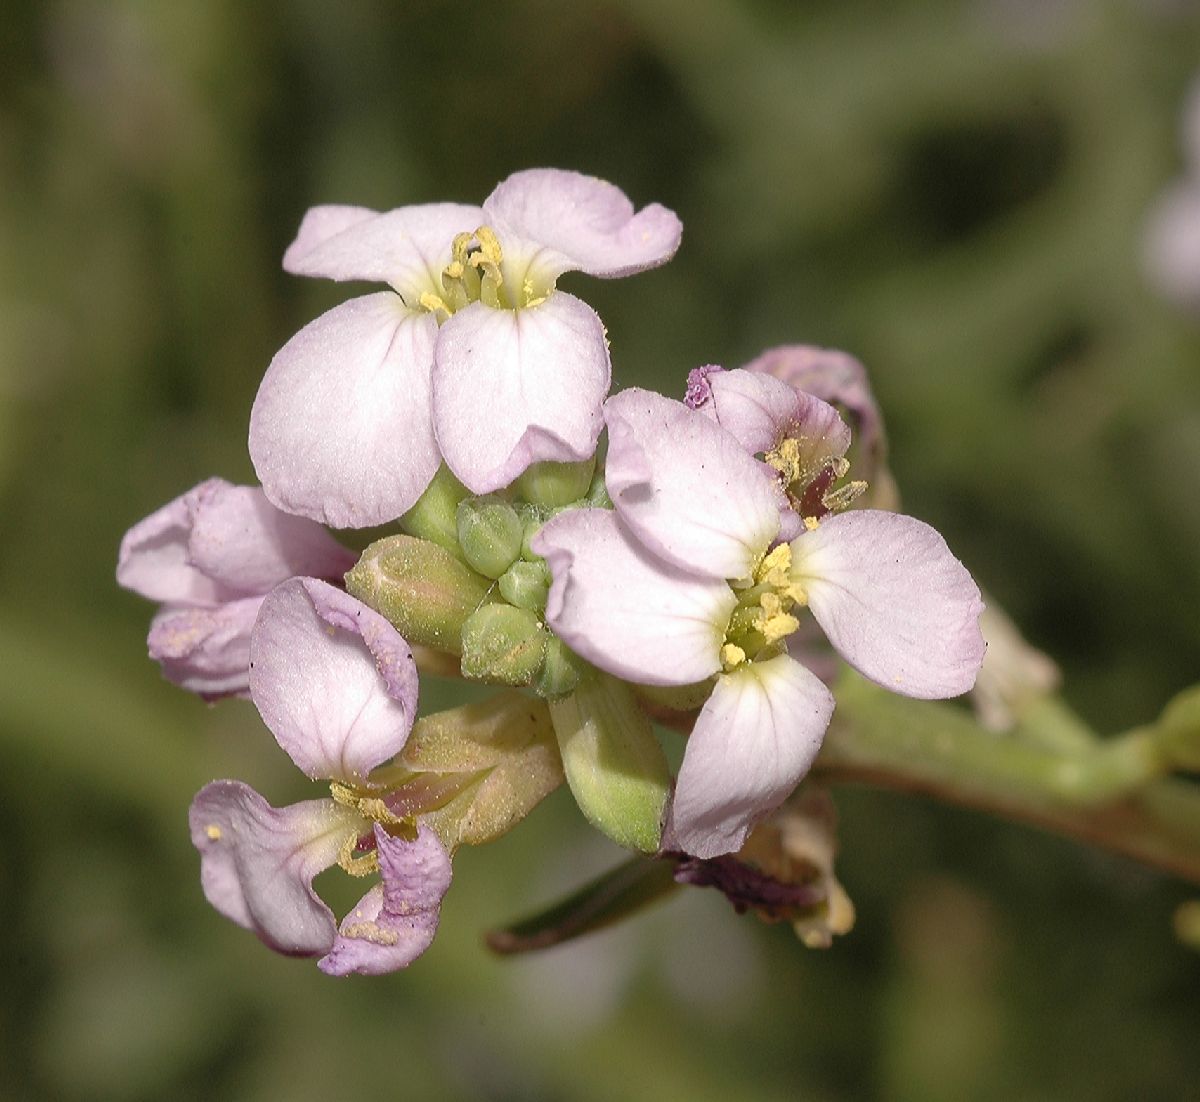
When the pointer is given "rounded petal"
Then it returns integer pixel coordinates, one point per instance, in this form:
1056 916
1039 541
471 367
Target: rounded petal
257 862
895 603
626 611
407 247
565 221
515 387
154 560
394 923
205 650
686 488
757 409
341 430
332 679
753 741
241 540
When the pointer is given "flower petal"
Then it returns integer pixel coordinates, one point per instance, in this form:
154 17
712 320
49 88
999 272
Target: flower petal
154 560
341 429
333 680
756 409
395 921
257 862
895 603
242 541
407 247
686 488
626 611
564 221
753 741
205 650
513 388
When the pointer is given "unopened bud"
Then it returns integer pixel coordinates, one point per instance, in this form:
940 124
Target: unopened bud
433 517
614 764
420 587
503 645
553 484
560 671
526 585
489 533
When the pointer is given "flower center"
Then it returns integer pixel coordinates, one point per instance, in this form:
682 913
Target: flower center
477 272
808 473
763 617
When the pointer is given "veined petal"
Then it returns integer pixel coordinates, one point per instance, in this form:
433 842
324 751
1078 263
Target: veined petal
241 540
407 247
394 923
342 430
514 387
257 862
753 741
757 409
565 221
333 680
686 488
895 603
154 560
205 650
626 611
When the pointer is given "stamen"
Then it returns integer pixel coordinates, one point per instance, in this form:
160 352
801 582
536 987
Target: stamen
732 656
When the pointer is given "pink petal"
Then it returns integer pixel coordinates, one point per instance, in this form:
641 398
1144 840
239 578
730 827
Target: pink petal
154 560
395 921
565 221
241 540
205 650
333 680
1172 245
513 388
686 488
757 409
341 430
624 610
753 741
257 862
407 247
895 603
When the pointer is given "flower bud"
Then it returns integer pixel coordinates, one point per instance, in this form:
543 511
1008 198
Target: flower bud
420 587
553 484
503 645
526 585
489 533
433 517
560 671
614 764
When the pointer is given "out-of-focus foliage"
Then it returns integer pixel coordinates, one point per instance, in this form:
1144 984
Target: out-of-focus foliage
954 190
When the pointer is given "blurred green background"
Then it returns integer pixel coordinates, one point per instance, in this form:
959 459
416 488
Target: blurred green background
953 190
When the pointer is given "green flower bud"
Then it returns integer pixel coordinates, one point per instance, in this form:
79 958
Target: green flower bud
433 517
554 484
489 533
420 587
503 645
526 585
597 494
614 764
561 669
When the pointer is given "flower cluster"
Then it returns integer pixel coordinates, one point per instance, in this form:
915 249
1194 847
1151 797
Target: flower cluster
706 569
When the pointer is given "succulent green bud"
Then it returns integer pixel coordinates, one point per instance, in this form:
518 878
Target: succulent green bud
614 764
489 533
526 585
532 519
597 494
503 645
433 517
1179 730
420 587
554 484
560 671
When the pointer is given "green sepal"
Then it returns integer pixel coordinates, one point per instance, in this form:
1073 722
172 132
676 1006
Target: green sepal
615 767
434 517
552 484
525 585
489 533
424 590
610 898
560 671
503 645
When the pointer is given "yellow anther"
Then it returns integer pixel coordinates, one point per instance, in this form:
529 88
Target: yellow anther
785 458
732 656
811 523
489 245
213 832
776 627
776 567
455 269
357 864
461 246
433 303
